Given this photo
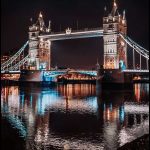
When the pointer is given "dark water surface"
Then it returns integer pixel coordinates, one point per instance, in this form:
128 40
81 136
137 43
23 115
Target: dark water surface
72 116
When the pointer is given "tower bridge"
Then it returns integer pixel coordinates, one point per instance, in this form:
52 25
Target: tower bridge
115 41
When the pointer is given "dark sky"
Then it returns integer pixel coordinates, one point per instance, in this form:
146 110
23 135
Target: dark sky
80 53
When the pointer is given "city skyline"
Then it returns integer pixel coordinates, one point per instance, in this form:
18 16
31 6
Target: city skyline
67 14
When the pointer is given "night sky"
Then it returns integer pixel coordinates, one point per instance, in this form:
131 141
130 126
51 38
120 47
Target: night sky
80 53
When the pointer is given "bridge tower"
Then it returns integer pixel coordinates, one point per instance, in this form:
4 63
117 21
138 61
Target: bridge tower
115 49
39 49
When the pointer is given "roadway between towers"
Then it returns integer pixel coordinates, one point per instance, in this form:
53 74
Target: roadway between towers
87 33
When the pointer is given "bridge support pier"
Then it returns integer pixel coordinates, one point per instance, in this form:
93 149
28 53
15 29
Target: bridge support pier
107 77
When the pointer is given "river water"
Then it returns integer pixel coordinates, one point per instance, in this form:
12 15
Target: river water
73 116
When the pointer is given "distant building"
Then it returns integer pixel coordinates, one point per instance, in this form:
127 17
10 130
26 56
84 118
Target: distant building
4 58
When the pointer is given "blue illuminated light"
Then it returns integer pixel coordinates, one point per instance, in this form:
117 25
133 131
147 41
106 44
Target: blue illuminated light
121 113
122 65
22 100
46 99
31 100
111 107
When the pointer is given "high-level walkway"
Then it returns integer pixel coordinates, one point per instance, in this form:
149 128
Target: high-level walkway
87 33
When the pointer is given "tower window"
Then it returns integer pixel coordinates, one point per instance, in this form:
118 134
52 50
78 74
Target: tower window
110 26
33 34
47 46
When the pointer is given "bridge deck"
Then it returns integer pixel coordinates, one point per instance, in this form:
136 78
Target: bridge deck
74 35
79 71
136 71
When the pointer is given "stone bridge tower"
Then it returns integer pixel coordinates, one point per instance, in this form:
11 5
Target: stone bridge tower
115 49
39 49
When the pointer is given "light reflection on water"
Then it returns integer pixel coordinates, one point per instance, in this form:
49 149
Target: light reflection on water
74 115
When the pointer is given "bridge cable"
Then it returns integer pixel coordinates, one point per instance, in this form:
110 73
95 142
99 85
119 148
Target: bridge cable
14 57
17 66
140 50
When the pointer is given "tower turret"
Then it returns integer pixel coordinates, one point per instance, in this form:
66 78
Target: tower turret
124 15
105 12
97 65
114 8
114 46
39 51
49 26
41 22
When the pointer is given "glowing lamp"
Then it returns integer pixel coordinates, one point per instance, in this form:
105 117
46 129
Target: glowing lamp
122 43
40 15
123 22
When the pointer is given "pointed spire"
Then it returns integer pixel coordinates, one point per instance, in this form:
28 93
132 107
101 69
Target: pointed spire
40 22
40 15
97 64
49 25
114 4
105 12
114 9
124 14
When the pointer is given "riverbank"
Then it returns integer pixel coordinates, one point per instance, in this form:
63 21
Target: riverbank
141 143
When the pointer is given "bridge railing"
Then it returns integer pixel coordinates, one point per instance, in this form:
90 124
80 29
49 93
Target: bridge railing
136 70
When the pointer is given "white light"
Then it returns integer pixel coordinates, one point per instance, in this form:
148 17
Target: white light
122 43
68 31
132 108
123 21
40 15
41 39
